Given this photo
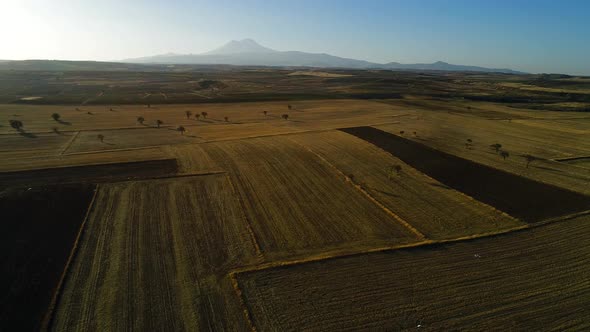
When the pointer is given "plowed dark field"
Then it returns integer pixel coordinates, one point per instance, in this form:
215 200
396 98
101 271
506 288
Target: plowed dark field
39 226
528 200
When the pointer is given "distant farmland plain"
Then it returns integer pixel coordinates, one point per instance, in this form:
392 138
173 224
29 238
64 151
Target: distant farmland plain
218 198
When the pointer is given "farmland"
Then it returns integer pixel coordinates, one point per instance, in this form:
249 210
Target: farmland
293 199
533 280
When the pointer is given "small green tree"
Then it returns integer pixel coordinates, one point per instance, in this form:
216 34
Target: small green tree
181 129
55 116
289 107
204 114
265 112
496 147
394 169
16 124
55 130
100 137
159 123
504 154
197 116
140 119
188 114
285 116
401 132
226 118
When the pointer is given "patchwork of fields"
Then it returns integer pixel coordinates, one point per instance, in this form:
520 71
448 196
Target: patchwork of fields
529 280
260 222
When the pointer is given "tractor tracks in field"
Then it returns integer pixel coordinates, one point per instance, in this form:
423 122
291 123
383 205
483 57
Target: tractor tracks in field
70 142
419 235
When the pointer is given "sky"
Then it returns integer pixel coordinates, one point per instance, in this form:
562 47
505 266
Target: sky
533 36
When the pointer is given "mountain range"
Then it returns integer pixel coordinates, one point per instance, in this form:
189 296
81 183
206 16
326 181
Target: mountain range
248 52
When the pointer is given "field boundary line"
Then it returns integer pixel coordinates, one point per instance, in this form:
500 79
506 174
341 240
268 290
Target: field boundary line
205 141
469 198
253 237
340 254
49 315
70 142
417 233
558 219
247 315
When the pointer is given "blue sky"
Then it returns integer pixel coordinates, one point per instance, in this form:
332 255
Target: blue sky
534 36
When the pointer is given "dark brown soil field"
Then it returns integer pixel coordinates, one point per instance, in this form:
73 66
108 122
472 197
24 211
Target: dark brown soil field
533 280
38 229
528 200
91 173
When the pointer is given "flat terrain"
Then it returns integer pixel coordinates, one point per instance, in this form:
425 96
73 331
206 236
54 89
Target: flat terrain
530 280
38 230
155 255
523 198
266 213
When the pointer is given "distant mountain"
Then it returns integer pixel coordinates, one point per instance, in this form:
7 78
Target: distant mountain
241 46
247 52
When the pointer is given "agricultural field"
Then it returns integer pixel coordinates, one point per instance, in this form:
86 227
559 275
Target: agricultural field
528 280
39 228
237 198
155 255
284 189
370 168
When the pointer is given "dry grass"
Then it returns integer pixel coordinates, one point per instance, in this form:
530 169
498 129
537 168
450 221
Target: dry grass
529 280
297 204
155 255
431 207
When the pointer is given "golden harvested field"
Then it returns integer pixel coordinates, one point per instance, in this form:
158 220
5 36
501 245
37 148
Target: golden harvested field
297 204
155 256
530 280
289 224
442 213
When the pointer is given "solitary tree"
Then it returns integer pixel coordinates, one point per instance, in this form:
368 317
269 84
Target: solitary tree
468 143
55 130
140 119
197 116
397 169
89 113
55 116
529 159
16 124
181 129
401 132
496 147
100 137
415 134
149 106
226 118
159 122
112 110
204 114
504 154
285 116
289 107
265 112
188 114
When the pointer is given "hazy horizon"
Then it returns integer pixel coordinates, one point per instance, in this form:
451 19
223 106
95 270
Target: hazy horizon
530 36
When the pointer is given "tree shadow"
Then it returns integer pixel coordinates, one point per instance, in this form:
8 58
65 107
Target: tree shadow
27 135
440 185
384 192
66 123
